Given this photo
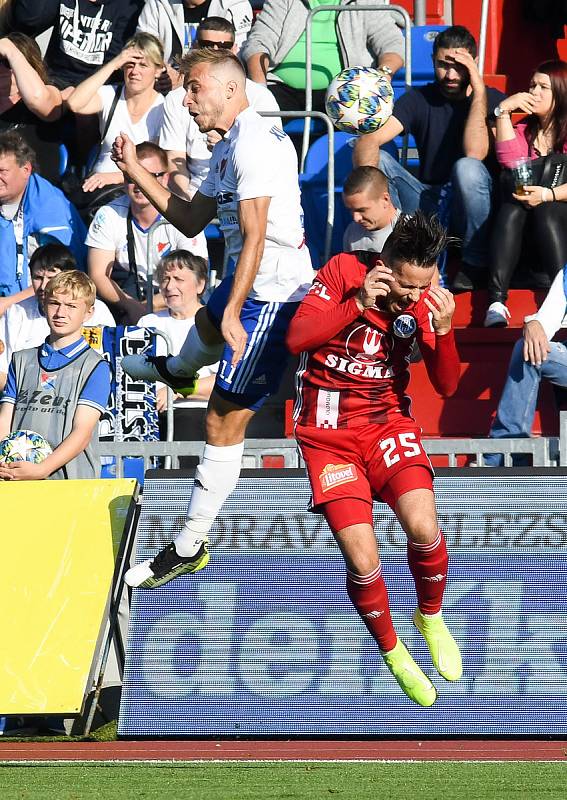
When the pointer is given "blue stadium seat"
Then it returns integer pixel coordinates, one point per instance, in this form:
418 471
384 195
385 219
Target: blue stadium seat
63 159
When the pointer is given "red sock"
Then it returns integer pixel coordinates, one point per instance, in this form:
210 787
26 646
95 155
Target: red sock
370 598
428 565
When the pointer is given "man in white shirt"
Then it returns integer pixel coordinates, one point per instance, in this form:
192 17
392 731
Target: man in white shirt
189 150
253 188
534 357
366 195
127 238
24 324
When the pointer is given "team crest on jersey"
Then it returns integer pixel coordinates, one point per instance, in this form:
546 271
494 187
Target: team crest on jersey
367 345
404 326
337 474
47 381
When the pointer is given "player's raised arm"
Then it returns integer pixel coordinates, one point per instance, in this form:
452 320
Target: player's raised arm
441 357
188 216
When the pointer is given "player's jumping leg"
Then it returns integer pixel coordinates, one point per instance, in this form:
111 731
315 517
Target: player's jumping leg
368 594
427 559
202 346
215 479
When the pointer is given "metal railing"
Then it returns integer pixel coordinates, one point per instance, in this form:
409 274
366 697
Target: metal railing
544 451
398 11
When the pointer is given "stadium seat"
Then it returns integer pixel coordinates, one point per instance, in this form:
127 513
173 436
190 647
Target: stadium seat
313 182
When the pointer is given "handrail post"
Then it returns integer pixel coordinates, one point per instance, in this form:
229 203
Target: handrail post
396 10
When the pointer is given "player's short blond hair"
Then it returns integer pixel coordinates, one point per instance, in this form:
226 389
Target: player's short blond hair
73 282
221 59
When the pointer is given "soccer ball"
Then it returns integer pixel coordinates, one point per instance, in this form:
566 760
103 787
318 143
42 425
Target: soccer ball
24 446
359 100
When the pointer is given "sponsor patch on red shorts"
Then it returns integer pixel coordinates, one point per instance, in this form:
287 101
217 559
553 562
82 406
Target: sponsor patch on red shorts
337 474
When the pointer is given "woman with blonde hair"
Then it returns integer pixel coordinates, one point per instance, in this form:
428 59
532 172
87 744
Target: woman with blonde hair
136 107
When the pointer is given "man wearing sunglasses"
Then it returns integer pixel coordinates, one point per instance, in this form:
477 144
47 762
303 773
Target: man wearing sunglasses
176 22
187 148
126 240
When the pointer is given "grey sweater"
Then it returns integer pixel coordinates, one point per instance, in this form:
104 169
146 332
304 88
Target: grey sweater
363 36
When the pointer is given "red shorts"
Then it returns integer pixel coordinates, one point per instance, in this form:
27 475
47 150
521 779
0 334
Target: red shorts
359 463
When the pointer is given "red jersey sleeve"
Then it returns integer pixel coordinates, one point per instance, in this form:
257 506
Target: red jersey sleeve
441 361
327 308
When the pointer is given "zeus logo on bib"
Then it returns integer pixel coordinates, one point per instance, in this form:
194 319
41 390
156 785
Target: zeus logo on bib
404 326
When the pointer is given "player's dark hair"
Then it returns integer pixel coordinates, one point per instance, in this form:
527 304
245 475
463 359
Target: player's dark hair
218 24
415 239
53 255
455 36
362 178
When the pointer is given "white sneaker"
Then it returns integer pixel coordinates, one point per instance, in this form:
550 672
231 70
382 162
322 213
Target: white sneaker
497 316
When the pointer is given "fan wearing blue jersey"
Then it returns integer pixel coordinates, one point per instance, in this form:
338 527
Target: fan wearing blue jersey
253 188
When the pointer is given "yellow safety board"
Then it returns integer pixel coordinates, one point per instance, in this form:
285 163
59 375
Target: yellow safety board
59 541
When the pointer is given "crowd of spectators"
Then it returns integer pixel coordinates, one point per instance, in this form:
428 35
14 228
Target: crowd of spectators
114 67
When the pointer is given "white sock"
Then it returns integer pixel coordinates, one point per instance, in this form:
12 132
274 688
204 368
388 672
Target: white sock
194 354
215 478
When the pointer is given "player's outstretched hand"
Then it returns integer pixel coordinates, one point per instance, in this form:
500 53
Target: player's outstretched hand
376 284
441 303
123 152
234 335
536 343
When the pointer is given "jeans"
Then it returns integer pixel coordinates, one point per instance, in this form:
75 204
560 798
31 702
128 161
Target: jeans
517 406
471 185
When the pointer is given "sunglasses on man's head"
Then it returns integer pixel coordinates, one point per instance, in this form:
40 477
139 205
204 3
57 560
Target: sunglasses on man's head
214 45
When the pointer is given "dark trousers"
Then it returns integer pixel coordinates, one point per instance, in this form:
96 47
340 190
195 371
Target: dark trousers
547 224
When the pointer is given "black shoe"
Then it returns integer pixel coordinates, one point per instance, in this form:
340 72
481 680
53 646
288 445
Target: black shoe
462 283
166 566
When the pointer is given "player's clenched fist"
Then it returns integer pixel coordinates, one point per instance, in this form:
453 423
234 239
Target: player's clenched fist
376 284
441 303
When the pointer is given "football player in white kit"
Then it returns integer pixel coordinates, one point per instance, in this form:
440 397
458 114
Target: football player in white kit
253 188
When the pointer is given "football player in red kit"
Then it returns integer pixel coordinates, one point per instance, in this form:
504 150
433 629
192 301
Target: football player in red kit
355 330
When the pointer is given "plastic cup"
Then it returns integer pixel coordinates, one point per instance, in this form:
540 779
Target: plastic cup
523 175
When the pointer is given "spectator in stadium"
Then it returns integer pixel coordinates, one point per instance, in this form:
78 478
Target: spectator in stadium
24 324
534 357
355 329
367 196
175 23
188 148
449 120
274 51
253 186
32 212
127 238
182 279
135 107
63 372
28 101
86 33
542 209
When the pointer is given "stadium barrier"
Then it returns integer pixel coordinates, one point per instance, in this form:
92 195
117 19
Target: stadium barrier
258 453
264 642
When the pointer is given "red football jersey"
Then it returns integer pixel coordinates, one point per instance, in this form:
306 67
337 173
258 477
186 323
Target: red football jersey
354 370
